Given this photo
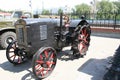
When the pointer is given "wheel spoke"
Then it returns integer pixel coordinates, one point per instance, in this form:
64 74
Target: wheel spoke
46 53
37 66
19 59
40 61
41 57
49 63
84 32
11 51
51 56
48 69
52 62
12 56
40 72
14 47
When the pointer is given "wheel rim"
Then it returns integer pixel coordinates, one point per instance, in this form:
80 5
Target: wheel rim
45 63
13 54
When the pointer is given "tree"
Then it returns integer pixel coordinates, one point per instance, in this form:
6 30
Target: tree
60 11
105 6
45 12
117 4
73 11
106 10
83 8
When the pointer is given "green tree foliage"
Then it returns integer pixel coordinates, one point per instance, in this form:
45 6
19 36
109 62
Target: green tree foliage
106 6
106 10
73 14
117 3
45 12
73 11
60 11
6 11
0 10
82 8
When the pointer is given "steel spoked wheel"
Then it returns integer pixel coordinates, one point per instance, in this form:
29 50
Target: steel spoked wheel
83 43
44 61
14 54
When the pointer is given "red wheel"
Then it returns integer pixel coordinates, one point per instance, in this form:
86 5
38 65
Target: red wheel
14 54
83 42
44 62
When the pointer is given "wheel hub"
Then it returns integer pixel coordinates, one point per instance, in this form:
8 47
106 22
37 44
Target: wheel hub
46 63
18 52
9 40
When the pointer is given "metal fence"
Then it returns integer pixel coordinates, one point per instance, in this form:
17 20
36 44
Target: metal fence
101 20
98 20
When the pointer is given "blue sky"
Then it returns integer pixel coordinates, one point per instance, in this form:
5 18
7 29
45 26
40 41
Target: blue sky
39 4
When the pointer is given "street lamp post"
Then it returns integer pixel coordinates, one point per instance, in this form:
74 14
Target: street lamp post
30 4
94 3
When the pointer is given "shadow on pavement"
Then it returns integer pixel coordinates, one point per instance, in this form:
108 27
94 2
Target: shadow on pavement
95 68
19 68
29 76
15 68
67 55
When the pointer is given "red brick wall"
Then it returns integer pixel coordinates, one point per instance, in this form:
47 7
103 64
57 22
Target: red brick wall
105 30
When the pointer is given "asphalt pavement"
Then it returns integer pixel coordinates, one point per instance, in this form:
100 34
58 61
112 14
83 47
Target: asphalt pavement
91 67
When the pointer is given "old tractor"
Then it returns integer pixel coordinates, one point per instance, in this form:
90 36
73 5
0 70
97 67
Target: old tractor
43 39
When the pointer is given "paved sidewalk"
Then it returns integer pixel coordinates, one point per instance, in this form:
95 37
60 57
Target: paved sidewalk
91 67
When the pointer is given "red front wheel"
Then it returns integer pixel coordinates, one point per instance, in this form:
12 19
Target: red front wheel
44 62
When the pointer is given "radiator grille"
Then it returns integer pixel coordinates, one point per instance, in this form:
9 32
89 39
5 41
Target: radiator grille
20 35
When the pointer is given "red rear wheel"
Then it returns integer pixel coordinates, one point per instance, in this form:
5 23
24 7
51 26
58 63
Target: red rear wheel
82 44
44 62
